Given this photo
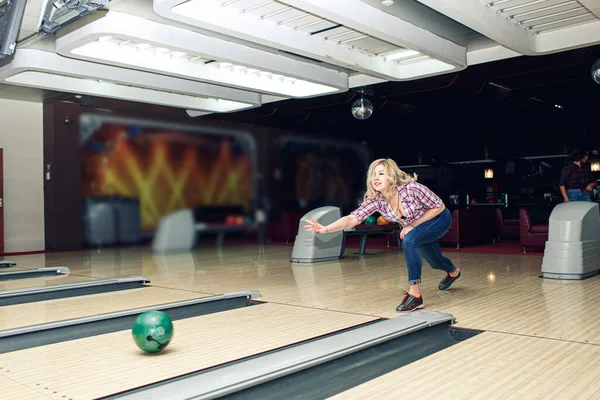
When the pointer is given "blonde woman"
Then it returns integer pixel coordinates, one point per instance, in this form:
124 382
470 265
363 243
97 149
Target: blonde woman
424 218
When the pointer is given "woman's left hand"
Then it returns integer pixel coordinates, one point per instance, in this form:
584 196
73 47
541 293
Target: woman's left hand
405 230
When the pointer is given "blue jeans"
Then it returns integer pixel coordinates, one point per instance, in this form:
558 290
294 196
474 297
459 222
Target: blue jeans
578 195
423 241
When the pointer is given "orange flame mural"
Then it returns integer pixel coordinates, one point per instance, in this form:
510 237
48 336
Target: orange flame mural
166 170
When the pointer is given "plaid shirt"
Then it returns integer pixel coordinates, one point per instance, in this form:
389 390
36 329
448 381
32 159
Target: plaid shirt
574 177
416 200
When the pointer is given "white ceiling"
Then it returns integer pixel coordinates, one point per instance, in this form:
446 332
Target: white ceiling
547 26
435 22
444 36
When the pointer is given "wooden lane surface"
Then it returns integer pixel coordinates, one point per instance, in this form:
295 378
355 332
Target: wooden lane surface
21 315
237 268
99 366
372 284
538 307
13 390
41 281
493 366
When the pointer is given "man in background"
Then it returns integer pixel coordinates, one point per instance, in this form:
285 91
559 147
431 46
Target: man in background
576 179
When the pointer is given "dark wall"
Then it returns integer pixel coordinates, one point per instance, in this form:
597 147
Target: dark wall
62 184
62 152
507 106
423 138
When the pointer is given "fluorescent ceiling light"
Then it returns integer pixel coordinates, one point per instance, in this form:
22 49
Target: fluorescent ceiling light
141 55
115 90
542 157
400 54
46 70
425 67
134 42
317 29
415 166
471 162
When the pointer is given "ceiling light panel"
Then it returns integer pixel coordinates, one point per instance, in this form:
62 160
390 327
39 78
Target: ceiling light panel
292 18
133 42
528 27
50 71
354 36
537 16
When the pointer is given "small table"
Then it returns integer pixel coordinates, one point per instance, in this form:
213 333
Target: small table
365 230
221 229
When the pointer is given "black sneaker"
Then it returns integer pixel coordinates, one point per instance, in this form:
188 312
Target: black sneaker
448 281
410 303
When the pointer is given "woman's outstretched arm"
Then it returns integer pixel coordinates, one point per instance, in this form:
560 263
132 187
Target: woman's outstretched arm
347 222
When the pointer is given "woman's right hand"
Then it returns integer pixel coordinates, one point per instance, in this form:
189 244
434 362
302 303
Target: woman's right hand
313 226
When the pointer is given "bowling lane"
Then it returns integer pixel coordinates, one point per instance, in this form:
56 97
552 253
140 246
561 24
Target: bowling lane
17 391
21 315
41 281
107 364
493 366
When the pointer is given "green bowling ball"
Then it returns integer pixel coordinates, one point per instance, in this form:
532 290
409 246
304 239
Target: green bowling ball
152 331
371 220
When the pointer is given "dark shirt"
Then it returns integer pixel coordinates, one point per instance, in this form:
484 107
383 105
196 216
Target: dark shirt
575 177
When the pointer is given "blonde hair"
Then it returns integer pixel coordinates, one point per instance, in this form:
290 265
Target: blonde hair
395 175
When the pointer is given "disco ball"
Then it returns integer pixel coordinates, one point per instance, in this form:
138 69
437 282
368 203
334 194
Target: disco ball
362 108
596 71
